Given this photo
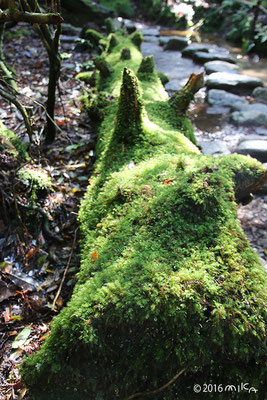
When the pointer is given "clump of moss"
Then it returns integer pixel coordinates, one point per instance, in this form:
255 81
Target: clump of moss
129 125
12 143
36 180
125 53
163 77
110 27
168 281
147 65
112 42
137 39
94 103
103 66
94 37
84 76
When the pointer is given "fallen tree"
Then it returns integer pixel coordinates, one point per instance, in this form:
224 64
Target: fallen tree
170 293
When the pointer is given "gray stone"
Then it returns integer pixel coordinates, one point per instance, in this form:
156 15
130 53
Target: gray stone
261 131
151 39
164 39
248 118
251 137
254 148
68 29
150 32
221 66
173 85
216 148
218 110
177 43
190 50
234 83
251 107
224 99
202 57
260 93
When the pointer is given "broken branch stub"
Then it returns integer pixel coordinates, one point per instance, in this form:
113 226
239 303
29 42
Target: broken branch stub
129 124
182 99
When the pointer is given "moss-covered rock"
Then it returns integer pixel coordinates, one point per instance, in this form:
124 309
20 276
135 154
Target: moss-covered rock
168 280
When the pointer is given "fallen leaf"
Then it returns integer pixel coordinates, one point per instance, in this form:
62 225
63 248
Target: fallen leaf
22 337
94 257
167 181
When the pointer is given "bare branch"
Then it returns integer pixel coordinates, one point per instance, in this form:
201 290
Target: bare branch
133 396
22 110
32 18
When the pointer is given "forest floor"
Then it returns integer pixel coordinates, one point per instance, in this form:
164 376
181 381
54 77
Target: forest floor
40 249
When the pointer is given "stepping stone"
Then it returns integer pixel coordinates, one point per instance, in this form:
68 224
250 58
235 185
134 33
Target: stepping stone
235 83
251 107
260 93
176 43
173 86
202 57
215 148
225 99
249 118
221 66
261 131
190 50
151 39
254 148
150 32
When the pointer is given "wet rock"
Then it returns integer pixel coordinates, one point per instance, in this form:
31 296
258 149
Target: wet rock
221 66
251 107
203 57
249 118
80 12
260 93
235 83
254 148
151 39
190 50
150 32
225 99
215 148
173 86
261 131
68 39
218 110
70 30
177 43
165 39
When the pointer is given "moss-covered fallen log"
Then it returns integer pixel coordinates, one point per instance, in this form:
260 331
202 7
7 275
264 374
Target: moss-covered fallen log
169 286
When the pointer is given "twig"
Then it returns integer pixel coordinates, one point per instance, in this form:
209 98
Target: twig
65 272
133 396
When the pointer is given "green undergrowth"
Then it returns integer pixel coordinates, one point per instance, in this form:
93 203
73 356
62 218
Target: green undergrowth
35 180
168 280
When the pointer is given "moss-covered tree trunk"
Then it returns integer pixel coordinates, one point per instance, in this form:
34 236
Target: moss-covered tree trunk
170 293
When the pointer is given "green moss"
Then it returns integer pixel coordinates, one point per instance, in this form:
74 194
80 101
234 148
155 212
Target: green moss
112 42
137 39
94 37
110 27
35 179
163 77
84 76
125 53
175 283
12 143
